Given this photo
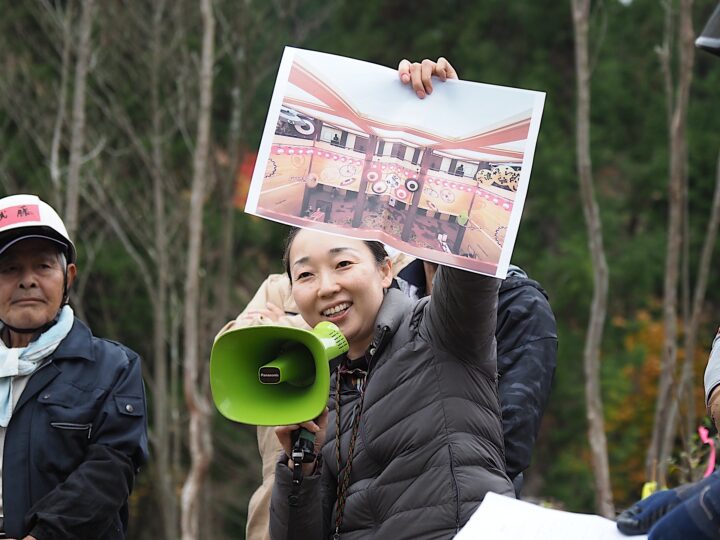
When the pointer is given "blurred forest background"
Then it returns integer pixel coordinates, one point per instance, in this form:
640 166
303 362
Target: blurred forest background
139 119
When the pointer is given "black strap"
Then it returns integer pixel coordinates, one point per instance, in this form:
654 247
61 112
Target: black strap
302 452
294 500
37 330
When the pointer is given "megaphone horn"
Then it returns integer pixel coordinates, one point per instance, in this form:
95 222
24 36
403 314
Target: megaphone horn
293 367
274 375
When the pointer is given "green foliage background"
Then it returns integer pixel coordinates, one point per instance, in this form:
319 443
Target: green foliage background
524 43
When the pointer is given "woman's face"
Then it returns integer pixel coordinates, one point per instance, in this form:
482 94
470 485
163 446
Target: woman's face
338 280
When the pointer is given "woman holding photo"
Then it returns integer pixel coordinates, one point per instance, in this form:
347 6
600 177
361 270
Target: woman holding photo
412 438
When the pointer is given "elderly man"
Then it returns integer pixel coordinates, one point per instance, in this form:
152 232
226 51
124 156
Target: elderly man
72 406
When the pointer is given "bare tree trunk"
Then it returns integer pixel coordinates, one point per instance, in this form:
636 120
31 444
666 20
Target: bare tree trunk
77 137
55 174
593 339
195 397
665 55
661 441
223 291
686 314
165 473
177 432
688 426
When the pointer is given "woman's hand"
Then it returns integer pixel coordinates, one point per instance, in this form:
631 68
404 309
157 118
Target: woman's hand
271 314
317 427
419 74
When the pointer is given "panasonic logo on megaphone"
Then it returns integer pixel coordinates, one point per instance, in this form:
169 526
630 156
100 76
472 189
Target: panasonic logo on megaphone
274 375
293 365
269 375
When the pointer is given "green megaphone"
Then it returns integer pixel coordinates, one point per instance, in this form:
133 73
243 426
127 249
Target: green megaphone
274 375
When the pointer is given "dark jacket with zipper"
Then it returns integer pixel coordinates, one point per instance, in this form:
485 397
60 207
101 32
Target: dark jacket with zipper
430 441
76 439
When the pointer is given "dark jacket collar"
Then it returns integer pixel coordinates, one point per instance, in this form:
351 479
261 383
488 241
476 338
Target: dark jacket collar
77 344
394 307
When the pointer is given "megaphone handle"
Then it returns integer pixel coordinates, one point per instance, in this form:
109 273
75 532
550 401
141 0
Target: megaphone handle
303 451
303 446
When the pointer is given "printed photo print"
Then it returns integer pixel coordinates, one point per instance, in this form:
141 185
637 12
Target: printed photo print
350 150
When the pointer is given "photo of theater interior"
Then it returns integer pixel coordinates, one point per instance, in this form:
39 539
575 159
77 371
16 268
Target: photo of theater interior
330 166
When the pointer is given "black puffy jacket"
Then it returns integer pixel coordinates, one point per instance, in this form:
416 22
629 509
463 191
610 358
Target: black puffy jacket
430 442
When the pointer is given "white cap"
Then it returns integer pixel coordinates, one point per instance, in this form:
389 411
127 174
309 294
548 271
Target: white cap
26 216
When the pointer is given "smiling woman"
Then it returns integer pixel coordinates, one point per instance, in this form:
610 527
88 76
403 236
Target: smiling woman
320 265
412 440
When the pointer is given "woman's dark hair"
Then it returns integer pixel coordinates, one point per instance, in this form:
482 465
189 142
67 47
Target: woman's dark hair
376 248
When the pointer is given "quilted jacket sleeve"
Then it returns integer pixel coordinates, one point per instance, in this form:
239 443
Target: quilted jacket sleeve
461 316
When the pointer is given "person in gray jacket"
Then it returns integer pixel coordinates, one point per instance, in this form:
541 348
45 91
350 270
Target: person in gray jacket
412 439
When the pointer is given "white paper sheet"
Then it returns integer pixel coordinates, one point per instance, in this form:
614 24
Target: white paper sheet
503 518
349 150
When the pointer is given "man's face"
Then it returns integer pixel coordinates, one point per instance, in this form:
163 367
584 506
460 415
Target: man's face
31 283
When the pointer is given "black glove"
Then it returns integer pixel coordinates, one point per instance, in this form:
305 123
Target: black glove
697 517
641 516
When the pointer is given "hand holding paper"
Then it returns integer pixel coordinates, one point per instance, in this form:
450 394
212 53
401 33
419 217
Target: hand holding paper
419 74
